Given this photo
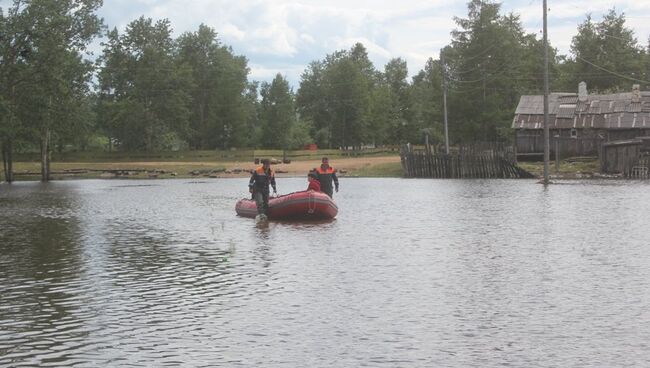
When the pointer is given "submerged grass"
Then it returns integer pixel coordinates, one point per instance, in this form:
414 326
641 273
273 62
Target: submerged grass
31 170
360 166
568 168
203 155
386 170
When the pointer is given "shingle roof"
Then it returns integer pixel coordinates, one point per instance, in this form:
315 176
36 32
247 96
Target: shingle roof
534 104
611 111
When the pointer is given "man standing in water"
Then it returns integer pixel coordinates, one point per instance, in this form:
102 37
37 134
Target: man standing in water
259 186
327 174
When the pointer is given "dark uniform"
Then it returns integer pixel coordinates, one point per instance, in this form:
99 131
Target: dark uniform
326 176
259 183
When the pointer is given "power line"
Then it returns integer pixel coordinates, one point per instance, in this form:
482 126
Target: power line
612 72
617 38
472 57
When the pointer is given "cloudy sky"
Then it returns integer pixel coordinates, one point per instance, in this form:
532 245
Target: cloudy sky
285 35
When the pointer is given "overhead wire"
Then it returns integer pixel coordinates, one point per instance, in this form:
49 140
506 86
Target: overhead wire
612 72
472 57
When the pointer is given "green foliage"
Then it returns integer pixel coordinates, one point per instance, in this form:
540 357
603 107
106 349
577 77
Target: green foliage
220 108
379 115
426 99
44 79
300 134
491 62
153 87
402 127
604 52
348 101
155 92
143 91
335 94
312 104
277 113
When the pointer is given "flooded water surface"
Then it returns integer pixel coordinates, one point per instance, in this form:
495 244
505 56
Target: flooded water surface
412 273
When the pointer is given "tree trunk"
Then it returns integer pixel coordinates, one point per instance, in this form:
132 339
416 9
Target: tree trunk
48 156
7 160
4 162
45 155
203 128
10 162
329 135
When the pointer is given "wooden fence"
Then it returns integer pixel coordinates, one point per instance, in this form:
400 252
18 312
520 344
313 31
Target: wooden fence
533 145
637 168
467 162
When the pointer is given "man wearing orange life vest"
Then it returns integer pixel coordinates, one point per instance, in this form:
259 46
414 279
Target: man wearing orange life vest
327 174
259 186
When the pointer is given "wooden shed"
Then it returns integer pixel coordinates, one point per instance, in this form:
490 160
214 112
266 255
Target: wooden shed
616 155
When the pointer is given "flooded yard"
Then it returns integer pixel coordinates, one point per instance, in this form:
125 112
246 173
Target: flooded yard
411 273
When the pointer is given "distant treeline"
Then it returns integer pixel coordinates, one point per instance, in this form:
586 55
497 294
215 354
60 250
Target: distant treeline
148 91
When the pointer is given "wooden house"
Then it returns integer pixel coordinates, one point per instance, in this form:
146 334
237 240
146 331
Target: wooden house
580 123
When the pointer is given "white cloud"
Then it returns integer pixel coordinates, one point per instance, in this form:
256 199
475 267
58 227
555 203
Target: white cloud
265 73
307 38
285 35
372 48
564 17
232 32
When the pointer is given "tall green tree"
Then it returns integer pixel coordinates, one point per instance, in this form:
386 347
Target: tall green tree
313 104
380 121
219 111
51 39
607 55
335 95
426 100
253 127
113 88
144 92
15 45
488 68
277 113
401 125
348 94
647 64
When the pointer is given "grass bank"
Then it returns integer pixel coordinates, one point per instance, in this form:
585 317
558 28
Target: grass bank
376 165
238 155
385 170
571 168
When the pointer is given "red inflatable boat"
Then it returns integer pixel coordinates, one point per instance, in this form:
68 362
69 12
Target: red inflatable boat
306 205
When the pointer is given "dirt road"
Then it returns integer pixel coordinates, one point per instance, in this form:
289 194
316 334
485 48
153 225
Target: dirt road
345 166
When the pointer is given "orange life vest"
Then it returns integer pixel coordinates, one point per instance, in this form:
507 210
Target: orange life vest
330 170
260 180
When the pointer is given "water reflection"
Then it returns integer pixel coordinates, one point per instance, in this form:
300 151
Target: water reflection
411 273
41 260
262 230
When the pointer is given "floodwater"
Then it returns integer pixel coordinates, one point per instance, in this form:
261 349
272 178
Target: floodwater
412 273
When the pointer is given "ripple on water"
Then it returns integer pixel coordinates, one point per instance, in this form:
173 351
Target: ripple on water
412 273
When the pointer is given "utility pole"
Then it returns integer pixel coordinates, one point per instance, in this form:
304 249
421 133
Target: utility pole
547 154
444 99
